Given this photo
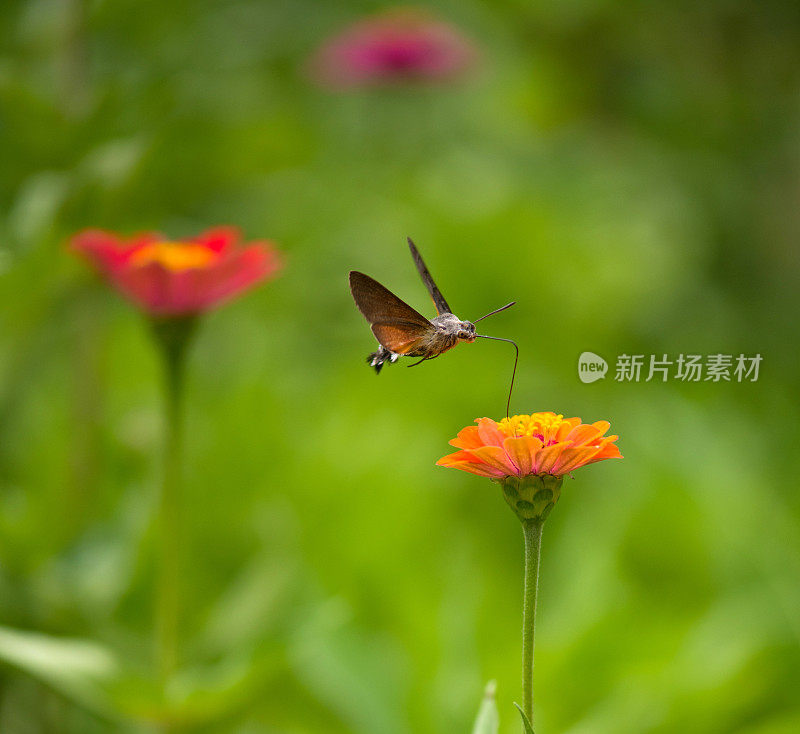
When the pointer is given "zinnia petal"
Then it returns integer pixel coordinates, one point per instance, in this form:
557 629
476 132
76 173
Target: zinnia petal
573 458
583 434
565 429
489 433
457 456
522 450
467 438
106 251
545 458
607 450
496 457
219 239
483 470
467 462
538 444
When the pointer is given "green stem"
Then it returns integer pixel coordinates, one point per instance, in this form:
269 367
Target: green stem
173 336
532 530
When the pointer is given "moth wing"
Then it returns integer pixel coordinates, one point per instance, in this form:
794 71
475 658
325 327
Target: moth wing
380 305
400 337
436 294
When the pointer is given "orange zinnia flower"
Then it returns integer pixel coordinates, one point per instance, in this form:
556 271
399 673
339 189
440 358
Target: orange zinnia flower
529 455
541 443
168 278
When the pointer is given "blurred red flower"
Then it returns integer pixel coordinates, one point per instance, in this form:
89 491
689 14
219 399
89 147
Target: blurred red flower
168 278
396 46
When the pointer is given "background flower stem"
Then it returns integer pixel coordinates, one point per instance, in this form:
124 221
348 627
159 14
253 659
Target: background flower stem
173 336
532 530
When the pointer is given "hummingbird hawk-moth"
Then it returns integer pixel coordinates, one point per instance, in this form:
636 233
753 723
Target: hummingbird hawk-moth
402 331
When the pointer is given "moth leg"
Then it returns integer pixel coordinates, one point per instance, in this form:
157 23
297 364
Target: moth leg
423 360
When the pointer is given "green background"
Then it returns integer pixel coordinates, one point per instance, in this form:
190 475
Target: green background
628 172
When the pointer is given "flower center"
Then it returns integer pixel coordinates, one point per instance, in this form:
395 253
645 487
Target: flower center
175 256
543 426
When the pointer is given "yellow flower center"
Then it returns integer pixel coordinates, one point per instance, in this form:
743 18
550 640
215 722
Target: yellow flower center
174 256
543 426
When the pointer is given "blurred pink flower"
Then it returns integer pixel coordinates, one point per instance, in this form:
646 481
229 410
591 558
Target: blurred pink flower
168 278
397 46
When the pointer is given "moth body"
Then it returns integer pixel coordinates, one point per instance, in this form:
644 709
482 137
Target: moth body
402 331
450 325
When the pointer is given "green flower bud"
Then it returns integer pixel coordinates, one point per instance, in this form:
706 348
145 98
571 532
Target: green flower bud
532 497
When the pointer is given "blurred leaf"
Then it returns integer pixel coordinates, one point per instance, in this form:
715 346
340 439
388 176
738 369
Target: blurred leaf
79 669
488 720
37 205
114 160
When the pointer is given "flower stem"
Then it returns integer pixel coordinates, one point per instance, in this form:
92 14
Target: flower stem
532 530
173 336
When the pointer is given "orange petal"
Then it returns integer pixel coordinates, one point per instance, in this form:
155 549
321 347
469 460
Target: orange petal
607 450
565 428
457 456
467 438
561 433
583 434
602 426
495 456
574 458
465 461
482 470
490 434
607 441
544 459
521 450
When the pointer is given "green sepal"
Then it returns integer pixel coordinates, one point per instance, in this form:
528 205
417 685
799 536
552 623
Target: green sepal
532 497
526 724
488 720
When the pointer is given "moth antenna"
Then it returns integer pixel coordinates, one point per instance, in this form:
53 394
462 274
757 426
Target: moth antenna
492 313
516 359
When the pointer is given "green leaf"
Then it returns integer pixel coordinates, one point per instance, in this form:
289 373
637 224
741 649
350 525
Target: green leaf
488 720
526 724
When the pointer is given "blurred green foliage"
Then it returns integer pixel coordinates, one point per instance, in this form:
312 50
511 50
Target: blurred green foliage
627 172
